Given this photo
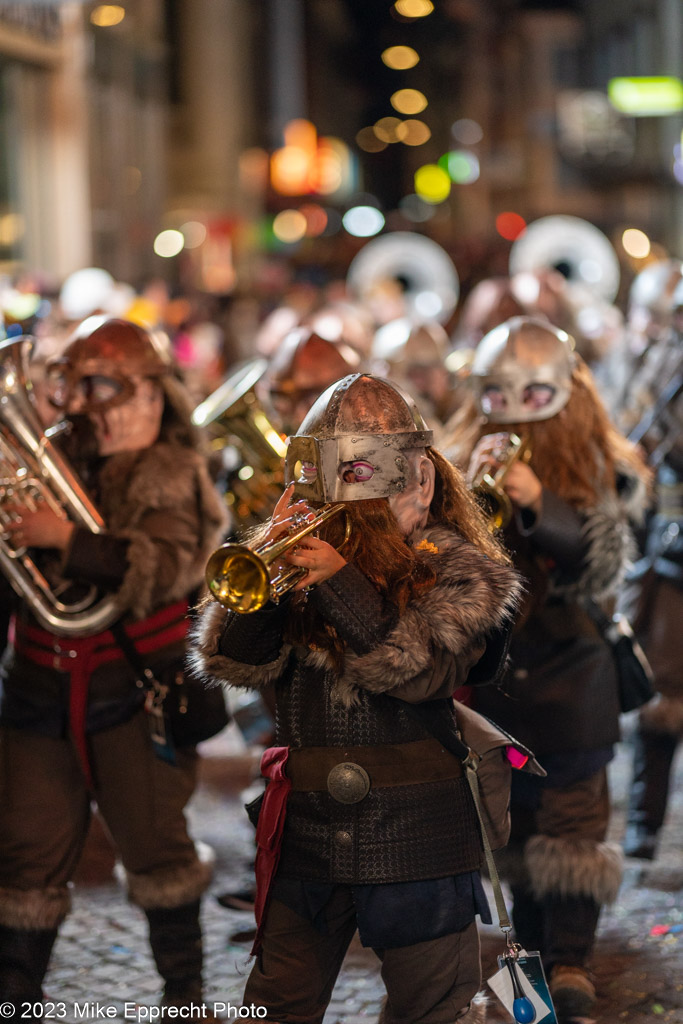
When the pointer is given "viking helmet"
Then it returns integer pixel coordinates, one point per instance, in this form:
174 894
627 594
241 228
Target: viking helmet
116 351
352 444
522 371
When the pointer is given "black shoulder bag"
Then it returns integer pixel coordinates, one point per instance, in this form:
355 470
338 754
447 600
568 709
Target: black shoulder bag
634 672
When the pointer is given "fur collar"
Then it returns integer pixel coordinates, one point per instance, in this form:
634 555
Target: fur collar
472 597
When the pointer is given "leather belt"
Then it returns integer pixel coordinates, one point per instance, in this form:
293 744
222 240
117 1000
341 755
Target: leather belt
348 773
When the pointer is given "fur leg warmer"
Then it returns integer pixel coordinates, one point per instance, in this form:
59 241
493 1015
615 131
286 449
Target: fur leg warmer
573 867
34 909
174 886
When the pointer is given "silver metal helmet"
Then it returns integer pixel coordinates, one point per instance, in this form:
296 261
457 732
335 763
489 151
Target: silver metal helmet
352 443
522 371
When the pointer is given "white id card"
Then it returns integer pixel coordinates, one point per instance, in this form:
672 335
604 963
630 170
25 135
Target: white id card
534 985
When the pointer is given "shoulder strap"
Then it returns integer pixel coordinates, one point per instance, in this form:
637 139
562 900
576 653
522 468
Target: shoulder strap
440 727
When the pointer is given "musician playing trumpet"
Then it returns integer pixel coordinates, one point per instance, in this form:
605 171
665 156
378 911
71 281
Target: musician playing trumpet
572 497
378 815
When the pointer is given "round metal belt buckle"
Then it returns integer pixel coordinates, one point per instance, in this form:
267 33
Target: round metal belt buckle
348 783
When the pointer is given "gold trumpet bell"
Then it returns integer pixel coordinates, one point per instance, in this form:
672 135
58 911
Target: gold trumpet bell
238 579
244 579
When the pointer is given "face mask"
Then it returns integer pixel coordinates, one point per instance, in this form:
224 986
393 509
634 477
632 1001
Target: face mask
131 425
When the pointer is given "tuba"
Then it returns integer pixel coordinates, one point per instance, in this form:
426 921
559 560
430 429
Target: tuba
487 485
243 578
574 247
33 471
234 416
416 265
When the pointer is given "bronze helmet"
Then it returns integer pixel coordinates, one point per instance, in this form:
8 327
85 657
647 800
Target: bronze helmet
351 443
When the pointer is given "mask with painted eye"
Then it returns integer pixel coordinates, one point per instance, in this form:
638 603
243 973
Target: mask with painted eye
522 371
356 472
354 437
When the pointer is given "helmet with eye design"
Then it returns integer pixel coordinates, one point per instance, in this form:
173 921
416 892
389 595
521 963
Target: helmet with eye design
352 443
522 371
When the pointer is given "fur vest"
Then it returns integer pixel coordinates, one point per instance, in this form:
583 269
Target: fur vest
166 481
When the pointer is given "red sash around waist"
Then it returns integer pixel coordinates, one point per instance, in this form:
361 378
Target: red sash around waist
80 656
271 823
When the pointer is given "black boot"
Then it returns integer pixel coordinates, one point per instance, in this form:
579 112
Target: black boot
24 956
570 924
653 756
176 939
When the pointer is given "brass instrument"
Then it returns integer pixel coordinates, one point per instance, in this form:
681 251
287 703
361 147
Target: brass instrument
430 286
487 485
33 471
234 416
575 247
243 578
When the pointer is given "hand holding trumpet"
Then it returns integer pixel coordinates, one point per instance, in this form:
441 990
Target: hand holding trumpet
318 557
511 472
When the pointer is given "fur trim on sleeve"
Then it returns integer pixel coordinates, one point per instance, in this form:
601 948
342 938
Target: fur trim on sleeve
136 593
472 596
610 550
205 661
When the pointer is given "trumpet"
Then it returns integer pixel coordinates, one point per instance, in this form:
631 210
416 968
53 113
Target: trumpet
243 578
487 485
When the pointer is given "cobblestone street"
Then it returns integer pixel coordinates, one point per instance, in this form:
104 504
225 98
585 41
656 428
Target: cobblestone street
102 957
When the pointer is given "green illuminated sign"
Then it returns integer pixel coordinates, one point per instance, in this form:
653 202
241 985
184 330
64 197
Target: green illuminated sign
646 97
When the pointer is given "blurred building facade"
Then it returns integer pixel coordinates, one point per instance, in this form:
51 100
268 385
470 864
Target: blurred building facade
110 133
83 114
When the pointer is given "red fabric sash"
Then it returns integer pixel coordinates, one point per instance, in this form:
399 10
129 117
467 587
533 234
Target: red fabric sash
80 656
271 823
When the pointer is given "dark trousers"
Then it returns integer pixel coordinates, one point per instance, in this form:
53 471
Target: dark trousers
294 975
653 757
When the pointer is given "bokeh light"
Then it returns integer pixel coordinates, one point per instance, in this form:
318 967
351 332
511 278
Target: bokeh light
289 171
646 96
467 131
510 225
389 129
432 183
368 141
461 166
169 243
328 170
289 226
194 233
635 243
363 221
414 133
316 219
409 101
413 8
400 58
12 228
106 15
